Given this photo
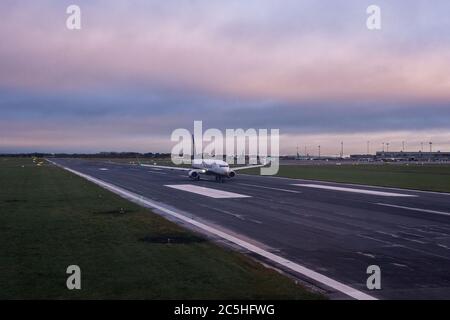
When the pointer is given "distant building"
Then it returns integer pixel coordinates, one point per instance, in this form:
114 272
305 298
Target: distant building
413 156
402 156
363 157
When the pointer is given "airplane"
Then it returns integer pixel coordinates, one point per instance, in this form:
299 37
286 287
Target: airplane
212 167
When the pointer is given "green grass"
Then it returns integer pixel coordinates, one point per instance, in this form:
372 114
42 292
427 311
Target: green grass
50 219
426 177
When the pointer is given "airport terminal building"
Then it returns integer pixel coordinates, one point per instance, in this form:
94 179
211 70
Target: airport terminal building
406 156
414 156
403 156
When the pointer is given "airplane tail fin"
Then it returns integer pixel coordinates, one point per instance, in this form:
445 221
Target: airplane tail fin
138 161
193 149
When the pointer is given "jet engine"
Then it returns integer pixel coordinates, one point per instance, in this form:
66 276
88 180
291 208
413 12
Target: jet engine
194 175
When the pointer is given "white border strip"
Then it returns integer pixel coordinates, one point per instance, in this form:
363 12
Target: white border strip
349 291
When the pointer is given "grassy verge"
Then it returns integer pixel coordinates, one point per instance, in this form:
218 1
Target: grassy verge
431 177
50 219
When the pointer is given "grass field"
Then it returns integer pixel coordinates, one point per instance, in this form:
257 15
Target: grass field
50 219
426 177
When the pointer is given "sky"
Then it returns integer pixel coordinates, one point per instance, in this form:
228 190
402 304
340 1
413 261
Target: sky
139 69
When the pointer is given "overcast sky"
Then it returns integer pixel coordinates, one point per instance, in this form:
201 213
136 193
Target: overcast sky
137 70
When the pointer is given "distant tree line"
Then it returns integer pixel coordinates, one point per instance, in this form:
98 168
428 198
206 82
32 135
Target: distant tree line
116 155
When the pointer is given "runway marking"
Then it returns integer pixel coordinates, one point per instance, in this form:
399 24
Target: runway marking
351 184
402 238
320 278
370 255
157 172
103 169
212 193
414 209
363 191
400 265
392 244
270 188
443 246
238 216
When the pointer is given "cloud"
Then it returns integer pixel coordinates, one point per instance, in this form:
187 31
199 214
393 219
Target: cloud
143 120
144 68
189 50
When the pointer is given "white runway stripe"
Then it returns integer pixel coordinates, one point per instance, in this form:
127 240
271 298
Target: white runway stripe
354 190
212 193
415 209
269 188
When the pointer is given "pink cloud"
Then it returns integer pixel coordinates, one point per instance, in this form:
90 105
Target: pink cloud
178 53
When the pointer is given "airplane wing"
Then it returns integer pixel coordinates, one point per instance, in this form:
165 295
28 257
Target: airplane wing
162 167
265 162
248 167
165 167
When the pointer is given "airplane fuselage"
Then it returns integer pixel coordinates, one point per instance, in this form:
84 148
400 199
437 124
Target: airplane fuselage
219 168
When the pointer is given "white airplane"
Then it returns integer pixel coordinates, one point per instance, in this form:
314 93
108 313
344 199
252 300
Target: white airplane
212 167
218 168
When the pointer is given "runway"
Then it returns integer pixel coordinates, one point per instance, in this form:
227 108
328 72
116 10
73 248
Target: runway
335 229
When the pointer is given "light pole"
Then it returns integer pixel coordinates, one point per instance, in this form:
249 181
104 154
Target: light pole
368 147
319 151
